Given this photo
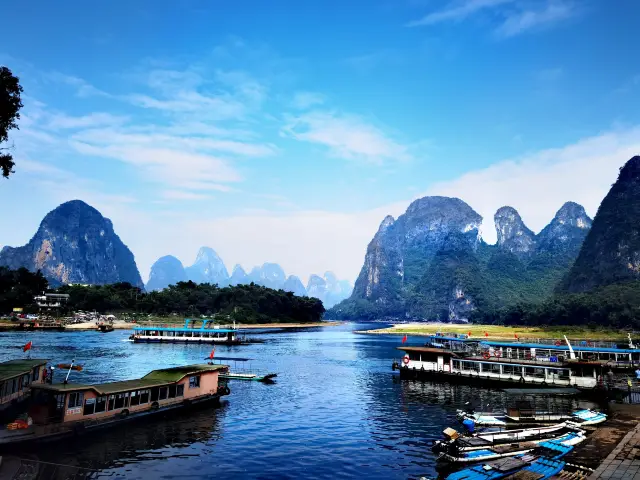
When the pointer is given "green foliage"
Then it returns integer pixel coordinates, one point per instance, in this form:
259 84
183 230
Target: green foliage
10 104
245 303
18 287
615 306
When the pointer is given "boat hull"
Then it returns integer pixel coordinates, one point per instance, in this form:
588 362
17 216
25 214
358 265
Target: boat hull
209 341
407 373
12 438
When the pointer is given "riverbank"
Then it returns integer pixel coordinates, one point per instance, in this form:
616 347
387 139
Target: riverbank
122 325
499 332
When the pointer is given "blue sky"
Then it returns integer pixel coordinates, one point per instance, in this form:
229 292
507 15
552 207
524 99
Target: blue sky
285 131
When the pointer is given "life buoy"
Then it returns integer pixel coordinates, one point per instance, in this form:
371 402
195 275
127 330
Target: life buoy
406 359
486 355
521 380
498 353
558 343
124 413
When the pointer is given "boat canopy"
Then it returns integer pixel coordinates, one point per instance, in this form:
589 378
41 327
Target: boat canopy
15 368
155 378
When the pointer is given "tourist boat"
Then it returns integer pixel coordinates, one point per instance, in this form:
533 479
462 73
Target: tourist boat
479 441
16 379
524 413
509 450
543 464
189 333
105 327
63 409
487 370
608 354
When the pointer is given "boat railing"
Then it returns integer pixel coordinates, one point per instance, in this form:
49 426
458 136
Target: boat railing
574 343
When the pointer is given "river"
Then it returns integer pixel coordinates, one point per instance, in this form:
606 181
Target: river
336 409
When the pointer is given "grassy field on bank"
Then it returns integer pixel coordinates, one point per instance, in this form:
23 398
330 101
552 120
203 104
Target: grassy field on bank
506 333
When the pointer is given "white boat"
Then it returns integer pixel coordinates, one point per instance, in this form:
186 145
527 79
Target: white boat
514 417
509 450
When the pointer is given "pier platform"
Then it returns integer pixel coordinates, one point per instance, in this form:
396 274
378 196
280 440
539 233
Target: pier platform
623 462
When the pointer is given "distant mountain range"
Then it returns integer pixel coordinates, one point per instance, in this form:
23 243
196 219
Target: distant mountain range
209 268
76 244
432 264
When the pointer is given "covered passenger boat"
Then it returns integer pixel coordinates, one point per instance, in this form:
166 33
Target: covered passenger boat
207 332
63 409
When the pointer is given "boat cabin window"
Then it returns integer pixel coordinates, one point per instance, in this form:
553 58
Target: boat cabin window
75 399
89 406
144 396
491 368
26 379
180 390
36 374
111 402
194 382
121 401
163 393
172 391
134 399
155 392
101 404
511 370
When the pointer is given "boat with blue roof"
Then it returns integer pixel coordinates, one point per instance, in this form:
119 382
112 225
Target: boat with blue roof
455 455
207 332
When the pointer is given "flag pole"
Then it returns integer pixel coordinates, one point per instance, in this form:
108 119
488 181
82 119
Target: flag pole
69 372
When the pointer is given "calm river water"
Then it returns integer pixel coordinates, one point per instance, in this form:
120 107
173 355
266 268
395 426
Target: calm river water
336 411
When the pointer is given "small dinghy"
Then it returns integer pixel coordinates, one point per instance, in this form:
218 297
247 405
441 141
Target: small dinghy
485 440
541 464
481 419
508 450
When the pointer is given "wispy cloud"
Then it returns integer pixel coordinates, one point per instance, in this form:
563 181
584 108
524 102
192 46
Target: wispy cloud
60 121
529 20
457 11
184 195
304 100
346 136
83 88
514 18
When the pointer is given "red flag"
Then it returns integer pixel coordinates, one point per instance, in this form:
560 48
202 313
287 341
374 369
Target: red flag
469 333
404 339
515 335
486 334
27 346
211 354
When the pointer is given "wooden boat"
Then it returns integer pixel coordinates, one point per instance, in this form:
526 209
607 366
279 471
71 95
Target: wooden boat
67 366
509 450
519 416
63 409
478 441
187 334
105 328
16 379
542 464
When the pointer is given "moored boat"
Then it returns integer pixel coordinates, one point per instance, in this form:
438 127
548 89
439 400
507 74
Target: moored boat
495 370
508 450
105 327
479 441
539 467
63 409
519 416
16 379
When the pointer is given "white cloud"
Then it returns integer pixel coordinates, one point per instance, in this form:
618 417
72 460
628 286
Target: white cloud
83 88
184 195
538 184
304 100
346 136
457 11
527 20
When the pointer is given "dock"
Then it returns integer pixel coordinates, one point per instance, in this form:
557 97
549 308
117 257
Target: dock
624 461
